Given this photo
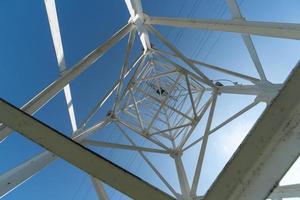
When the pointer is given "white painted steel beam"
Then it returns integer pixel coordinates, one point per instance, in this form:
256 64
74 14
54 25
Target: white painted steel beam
56 37
122 146
98 185
183 180
124 69
191 95
201 155
235 11
13 178
49 92
137 16
214 67
271 29
78 155
285 191
265 91
89 131
234 116
269 150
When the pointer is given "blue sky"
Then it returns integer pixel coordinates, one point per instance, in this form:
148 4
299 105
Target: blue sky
28 64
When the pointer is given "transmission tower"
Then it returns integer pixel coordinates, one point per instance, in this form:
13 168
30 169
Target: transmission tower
161 97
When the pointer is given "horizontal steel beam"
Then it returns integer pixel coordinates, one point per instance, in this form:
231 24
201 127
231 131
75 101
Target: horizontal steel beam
271 29
264 91
77 154
269 150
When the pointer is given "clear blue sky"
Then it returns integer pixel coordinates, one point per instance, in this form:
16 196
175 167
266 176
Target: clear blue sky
28 64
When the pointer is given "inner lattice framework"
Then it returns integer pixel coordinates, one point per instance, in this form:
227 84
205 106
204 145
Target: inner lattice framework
162 96
161 100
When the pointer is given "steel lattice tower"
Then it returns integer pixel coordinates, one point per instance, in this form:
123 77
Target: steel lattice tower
162 97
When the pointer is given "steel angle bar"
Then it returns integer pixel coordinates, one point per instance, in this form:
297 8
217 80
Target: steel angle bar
216 68
271 29
56 37
203 147
124 68
136 12
191 95
235 11
170 129
99 188
236 115
122 146
137 110
285 191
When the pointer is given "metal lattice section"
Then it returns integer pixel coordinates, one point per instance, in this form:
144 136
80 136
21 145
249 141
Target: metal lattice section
162 96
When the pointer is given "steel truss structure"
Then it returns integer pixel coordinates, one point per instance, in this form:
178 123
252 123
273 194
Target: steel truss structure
162 97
